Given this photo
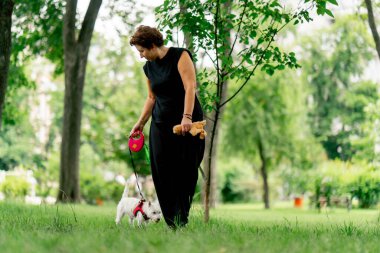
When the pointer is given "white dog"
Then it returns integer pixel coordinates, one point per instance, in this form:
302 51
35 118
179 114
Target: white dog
137 209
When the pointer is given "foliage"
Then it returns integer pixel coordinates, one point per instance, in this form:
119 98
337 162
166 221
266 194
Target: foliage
337 178
36 31
229 191
276 117
237 181
14 187
94 187
367 188
255 25
338 99
112 103
16 142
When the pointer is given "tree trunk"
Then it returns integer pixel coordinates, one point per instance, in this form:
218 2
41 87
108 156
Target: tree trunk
264 173
6 10
209 161
188 38
76 54
372 25
210 186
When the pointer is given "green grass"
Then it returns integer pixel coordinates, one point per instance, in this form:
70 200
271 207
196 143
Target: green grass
233 228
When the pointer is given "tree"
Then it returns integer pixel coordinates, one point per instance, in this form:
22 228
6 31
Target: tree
6 10
112 102
274 131
338 101
76 50
252 27
37 30
75 53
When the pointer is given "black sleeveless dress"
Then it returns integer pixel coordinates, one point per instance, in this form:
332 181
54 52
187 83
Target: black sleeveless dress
174 158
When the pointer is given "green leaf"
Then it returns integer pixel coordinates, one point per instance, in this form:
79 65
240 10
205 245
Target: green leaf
333 2
328 12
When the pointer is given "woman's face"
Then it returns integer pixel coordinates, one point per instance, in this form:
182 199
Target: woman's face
148 54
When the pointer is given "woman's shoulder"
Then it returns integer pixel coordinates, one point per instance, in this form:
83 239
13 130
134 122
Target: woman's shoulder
179 50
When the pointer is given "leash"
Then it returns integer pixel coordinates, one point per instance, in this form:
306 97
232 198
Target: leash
134 170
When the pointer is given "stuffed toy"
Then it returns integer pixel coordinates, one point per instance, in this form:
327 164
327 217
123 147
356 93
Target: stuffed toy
196 128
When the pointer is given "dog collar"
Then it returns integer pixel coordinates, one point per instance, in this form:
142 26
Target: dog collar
138 208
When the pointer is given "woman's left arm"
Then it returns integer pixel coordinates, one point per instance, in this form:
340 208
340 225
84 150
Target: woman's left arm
187 72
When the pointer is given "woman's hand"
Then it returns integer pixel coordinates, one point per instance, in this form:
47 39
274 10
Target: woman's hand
186 125
138 126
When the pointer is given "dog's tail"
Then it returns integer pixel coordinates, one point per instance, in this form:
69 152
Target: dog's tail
125 193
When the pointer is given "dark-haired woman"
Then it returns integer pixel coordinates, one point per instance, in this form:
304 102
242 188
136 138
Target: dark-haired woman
171 85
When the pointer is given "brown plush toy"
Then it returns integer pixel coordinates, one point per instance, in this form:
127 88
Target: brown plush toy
196 128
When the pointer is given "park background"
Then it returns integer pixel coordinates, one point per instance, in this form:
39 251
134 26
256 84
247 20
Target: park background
296 152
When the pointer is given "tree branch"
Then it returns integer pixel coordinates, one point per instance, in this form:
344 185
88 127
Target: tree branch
372 25
254 69
89 23
239 27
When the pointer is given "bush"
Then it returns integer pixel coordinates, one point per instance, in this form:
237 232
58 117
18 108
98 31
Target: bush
341 179
229 191
367 188
14 187
113 191
92 188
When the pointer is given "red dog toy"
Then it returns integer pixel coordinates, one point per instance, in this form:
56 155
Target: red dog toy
136 144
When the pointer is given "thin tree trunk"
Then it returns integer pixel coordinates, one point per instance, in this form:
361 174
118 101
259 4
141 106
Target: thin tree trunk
264 173
372 25
188 38
76 54
210 186
6 10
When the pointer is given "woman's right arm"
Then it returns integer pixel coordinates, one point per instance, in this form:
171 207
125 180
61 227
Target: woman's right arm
147 110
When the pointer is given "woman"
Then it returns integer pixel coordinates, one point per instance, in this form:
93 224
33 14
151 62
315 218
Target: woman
171 100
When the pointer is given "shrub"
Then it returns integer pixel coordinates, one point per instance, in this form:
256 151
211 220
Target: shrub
113 191
14 187
336 178
367 188
230 193
92 188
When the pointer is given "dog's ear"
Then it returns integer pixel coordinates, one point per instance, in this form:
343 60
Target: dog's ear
150 203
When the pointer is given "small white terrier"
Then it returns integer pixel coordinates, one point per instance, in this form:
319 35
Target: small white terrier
137 209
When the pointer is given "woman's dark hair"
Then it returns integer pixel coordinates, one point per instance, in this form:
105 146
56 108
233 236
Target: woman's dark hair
146 36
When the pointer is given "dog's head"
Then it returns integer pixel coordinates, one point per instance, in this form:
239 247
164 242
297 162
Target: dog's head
153 211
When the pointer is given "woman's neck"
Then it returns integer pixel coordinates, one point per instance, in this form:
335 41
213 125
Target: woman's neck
162 51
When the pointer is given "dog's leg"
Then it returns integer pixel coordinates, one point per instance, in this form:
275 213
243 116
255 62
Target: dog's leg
130 221
119 214
139 219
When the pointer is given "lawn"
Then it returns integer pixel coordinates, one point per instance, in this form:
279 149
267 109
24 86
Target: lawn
233 228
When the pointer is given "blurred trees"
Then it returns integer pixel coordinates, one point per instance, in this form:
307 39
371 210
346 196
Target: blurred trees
36 30
279 125
339 95
268 126
327 102
112 102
